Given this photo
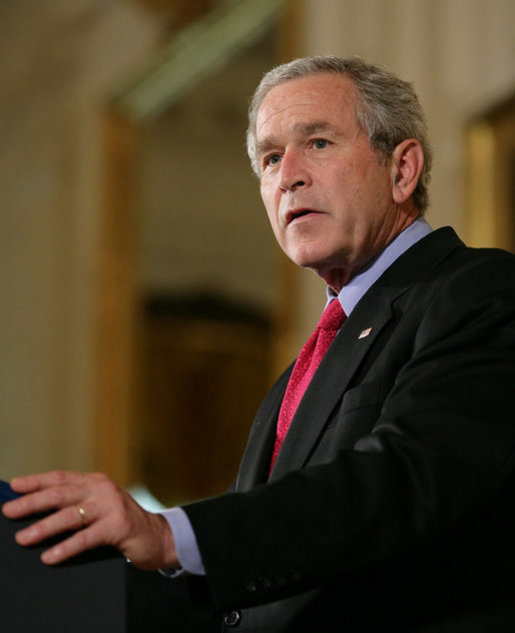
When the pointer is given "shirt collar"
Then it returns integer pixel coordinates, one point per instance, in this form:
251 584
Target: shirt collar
358 285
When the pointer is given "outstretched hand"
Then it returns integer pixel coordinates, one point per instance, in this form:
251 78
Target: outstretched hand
96 511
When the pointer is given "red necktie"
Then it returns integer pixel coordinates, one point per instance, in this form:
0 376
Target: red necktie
305 366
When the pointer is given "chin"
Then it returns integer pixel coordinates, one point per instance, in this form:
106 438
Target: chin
329 267
307 257
305 262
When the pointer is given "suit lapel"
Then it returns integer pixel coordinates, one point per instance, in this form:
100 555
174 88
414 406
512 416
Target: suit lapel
354 341
255 463
333 376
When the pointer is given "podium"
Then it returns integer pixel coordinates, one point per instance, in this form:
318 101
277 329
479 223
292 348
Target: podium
97 592
84 595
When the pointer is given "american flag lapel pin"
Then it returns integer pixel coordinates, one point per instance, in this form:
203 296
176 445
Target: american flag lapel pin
364 333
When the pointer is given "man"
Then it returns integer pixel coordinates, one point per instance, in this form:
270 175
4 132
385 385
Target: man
377 495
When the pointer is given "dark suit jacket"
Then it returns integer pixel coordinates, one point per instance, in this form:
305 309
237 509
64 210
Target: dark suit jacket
391 504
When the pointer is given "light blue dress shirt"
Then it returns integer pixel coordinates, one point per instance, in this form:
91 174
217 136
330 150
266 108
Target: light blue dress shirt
186 545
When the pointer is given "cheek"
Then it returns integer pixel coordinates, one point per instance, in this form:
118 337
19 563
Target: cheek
358 199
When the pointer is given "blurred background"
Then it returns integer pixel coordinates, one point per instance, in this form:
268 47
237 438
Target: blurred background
143 299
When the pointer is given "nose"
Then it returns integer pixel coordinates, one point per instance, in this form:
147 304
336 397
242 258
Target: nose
293 173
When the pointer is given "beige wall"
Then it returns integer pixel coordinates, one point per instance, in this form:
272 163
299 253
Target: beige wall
59 62
202 223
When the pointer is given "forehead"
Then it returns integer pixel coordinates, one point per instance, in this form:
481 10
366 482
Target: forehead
326 97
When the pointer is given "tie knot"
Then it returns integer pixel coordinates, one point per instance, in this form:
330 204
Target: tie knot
333 316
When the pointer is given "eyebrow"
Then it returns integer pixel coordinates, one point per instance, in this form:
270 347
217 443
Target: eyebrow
300 129
316 126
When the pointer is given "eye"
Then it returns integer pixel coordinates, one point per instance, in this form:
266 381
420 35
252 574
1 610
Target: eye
271 160
319 143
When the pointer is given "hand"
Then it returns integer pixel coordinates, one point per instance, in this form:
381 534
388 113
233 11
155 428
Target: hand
108 516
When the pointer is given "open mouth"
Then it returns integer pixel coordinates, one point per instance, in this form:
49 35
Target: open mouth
298 213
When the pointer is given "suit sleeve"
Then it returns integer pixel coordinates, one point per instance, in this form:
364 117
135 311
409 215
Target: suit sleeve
441 449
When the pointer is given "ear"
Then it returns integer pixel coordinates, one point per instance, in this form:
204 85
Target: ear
407 163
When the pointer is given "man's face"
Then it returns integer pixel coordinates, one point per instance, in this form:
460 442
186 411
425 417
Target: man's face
328 198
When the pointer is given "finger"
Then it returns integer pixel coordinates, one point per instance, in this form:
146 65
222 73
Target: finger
77 543
65 520
42 501
39 481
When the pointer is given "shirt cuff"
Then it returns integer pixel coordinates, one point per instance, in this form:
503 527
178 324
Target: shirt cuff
186 545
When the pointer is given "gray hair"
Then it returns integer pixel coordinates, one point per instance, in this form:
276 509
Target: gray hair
388 109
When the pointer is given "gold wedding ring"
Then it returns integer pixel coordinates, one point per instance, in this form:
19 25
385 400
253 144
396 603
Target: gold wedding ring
83 516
